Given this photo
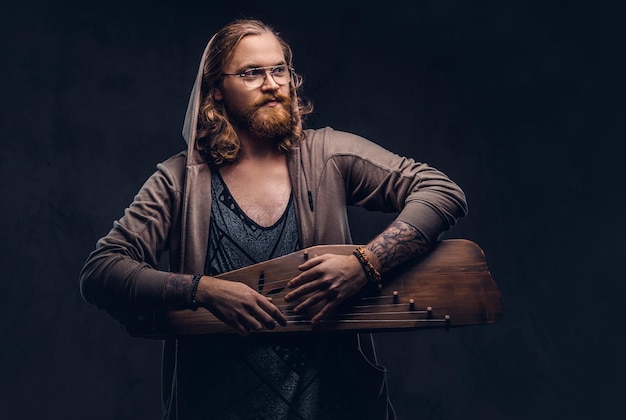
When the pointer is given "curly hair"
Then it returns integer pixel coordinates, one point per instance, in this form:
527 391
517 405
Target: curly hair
217 140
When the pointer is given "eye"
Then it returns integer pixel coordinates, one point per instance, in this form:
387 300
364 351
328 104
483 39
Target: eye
279 70
253 73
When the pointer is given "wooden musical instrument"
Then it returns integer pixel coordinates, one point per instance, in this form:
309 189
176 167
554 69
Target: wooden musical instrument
449 286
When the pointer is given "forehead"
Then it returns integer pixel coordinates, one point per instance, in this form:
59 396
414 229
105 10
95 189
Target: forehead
255 51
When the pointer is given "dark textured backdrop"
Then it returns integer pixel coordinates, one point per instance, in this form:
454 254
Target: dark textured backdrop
521 103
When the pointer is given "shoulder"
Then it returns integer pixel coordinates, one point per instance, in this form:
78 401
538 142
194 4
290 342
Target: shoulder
174 166
175 163
168 177
331 143
329 134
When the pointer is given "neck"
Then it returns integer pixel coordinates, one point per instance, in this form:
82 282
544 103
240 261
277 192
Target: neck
256 160
257 148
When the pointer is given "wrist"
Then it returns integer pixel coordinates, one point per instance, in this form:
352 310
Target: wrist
195 283
371 272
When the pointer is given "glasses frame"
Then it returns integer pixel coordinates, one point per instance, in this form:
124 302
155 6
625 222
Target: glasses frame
266 70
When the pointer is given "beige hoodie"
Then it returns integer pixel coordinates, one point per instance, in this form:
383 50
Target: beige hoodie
329 171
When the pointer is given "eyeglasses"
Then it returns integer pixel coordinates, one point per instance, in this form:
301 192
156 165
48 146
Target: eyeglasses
255 77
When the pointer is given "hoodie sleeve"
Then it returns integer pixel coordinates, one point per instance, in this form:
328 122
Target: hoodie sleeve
378 179
120 275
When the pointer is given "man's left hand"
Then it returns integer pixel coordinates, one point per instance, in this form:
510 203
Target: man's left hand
326 280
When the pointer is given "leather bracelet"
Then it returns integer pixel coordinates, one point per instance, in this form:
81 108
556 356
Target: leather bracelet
373 276
195 282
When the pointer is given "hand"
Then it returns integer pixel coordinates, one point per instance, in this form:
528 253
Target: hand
238 305
326 280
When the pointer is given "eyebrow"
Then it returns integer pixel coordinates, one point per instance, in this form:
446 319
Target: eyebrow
256 66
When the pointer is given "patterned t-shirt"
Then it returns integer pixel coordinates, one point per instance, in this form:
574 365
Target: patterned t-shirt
277 373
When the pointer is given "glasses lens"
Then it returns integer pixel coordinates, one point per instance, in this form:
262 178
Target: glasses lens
254 78
281 74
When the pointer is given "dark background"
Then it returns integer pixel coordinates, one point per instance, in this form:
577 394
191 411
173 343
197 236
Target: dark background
521 103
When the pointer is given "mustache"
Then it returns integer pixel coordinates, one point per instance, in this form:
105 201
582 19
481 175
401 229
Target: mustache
276 97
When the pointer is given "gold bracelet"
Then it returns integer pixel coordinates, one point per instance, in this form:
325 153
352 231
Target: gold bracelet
373 276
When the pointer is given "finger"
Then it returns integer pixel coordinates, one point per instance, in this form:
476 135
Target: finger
308 274
250 323
327 309
269 324
235 323
302 278
272 314
310 263
310 302
264 320
305 289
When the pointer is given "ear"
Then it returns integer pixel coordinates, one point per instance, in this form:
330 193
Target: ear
217 94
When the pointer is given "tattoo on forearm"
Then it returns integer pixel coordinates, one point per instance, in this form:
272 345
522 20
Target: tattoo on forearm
397 244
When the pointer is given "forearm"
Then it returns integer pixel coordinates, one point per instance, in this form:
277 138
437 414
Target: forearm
398 243
122 285
121 274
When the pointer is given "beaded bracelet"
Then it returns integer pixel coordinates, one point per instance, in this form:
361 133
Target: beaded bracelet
373 276
195 282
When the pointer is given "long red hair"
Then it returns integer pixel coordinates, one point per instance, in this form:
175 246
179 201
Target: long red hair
217 140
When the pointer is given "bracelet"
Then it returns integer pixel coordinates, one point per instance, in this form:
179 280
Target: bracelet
373 276
195 282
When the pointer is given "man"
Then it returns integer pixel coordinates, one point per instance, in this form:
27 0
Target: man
253 185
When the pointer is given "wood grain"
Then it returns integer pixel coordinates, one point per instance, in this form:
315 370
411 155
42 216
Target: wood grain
450 286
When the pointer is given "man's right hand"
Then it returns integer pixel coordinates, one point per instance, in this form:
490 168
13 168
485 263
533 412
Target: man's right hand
238 305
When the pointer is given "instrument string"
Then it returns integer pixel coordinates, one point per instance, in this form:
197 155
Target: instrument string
274 285
294 318
371 310
303 320
278 283
280 278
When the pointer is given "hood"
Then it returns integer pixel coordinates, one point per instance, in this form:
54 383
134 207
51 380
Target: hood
191 117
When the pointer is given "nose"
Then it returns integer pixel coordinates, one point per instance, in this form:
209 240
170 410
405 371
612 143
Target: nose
269 84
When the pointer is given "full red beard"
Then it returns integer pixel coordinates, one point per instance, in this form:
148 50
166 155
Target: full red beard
268 122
